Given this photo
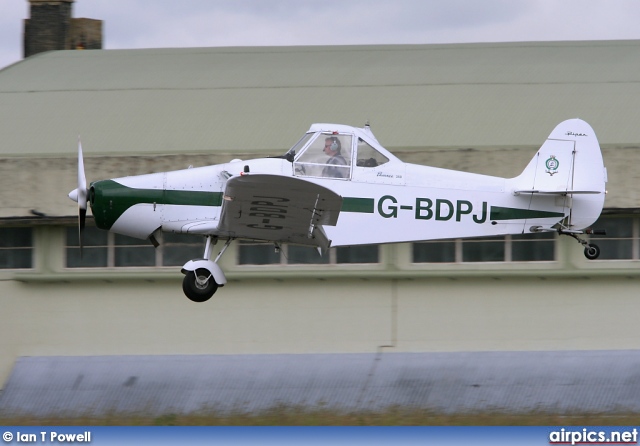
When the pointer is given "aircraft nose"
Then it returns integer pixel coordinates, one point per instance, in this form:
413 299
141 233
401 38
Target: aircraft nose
74 195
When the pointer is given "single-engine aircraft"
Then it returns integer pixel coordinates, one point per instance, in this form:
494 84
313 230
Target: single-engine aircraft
337 186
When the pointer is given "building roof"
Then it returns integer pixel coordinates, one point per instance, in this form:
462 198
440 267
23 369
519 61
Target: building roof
442 382
261 99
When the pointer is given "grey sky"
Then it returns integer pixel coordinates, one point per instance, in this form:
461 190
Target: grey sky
188 23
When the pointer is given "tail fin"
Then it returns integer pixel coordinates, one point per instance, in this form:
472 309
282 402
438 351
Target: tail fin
568 172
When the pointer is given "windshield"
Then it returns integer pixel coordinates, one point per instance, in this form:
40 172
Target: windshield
327 156
291 153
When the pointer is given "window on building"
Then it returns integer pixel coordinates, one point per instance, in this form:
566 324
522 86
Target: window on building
621 240
305 255
257 253
95 250
16 248
435 252
132 252
538 247
511 248
178 249
105 249
483 250
357 254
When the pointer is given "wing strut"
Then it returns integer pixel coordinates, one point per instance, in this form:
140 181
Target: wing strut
314 220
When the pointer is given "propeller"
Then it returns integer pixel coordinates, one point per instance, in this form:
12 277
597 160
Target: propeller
80 195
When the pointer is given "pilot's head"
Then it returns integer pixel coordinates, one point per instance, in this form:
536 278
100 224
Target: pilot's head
332 146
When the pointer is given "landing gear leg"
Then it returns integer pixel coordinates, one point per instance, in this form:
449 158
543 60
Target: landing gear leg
203 277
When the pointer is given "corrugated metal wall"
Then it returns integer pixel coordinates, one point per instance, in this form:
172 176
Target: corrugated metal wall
557 382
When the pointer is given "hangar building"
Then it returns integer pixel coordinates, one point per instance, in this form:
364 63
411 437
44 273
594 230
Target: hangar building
482 108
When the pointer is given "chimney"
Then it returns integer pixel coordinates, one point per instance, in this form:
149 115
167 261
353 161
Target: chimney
50 27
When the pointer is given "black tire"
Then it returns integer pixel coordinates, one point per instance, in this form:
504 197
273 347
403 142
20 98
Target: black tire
592 252
195 292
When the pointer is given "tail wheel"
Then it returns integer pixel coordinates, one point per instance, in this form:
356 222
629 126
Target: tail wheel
199 285
592 252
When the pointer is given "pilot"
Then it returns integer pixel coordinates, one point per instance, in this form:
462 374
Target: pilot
332 148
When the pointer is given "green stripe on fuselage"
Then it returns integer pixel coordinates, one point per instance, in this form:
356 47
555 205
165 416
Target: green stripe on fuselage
110 199
500 213
362 205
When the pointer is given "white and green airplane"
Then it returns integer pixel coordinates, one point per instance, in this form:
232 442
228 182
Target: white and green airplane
338 186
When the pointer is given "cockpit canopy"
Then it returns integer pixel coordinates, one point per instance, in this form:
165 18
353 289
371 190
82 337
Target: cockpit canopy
332 151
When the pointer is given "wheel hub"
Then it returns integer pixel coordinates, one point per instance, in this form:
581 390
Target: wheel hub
202 281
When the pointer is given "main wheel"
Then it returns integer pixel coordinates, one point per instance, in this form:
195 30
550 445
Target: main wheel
199 285
592 252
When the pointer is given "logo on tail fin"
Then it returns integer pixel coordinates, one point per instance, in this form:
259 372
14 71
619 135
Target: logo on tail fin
552 165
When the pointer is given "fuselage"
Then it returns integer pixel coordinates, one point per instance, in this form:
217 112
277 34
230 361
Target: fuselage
384 200
400 203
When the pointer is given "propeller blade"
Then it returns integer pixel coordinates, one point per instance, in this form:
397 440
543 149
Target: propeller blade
82 179
81 195
82 213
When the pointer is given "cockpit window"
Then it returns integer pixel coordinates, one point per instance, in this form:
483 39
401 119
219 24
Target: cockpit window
298 146
368 156
329 156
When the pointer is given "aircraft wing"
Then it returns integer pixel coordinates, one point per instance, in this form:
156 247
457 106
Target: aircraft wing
279 209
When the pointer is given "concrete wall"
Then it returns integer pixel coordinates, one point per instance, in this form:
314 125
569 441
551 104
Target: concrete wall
307 315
